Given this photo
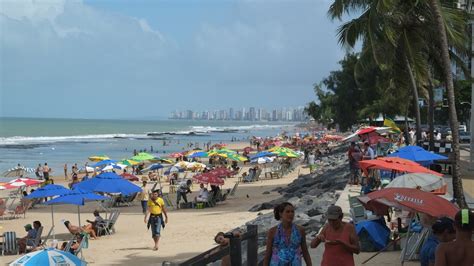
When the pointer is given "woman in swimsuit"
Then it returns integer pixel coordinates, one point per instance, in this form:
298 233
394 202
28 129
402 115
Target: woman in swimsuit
286 242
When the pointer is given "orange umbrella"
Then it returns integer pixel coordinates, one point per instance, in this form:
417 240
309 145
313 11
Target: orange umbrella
395 164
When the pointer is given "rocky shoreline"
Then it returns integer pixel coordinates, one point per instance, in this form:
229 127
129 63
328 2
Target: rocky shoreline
311 195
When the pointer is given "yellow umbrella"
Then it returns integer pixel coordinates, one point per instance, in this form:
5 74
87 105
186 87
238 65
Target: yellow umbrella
129 162
98 158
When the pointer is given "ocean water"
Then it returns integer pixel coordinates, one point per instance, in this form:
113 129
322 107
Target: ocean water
30 141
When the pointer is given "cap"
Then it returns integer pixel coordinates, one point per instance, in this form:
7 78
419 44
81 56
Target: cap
28 227
443 224
334 212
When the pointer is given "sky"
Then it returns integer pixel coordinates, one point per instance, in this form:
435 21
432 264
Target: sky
146 58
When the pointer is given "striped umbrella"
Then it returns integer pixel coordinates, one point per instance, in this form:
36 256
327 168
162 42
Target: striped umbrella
49 256
98 158
22 182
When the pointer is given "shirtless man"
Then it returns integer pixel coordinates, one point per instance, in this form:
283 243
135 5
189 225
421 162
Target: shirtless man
460 251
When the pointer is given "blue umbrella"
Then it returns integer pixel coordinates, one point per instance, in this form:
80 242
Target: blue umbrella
103 162
417 154
76 197
262 154
200 154
154 166
49 191
49 256
174 169
109 183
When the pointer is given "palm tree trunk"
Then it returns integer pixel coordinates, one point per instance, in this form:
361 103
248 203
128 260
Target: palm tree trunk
431 111
453 118
415 99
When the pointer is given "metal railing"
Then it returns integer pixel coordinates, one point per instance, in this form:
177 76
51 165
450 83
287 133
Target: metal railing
234 251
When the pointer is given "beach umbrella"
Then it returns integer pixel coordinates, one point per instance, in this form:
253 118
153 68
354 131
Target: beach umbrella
199 154
153 167
262 160
14 172
104 162
22 182
129 177
182 164
208 178
174 169
262 154
366 133
176 155
408 199
50 190
143 156
128 162
196 165
98 158
2 186
48 256
221 171
395 164
114 166
88 169
77 197
416 154
425 182
109 183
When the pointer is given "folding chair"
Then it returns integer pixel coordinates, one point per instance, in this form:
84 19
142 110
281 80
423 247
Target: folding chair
10 245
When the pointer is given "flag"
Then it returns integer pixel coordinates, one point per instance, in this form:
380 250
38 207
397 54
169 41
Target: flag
390 123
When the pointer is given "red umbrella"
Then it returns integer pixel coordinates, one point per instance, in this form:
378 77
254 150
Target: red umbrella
395 164
208 178
176 155
129 177
221 171
20 182
409 199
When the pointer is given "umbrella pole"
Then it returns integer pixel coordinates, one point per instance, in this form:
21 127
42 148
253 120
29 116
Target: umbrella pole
406 242
79 214
52 220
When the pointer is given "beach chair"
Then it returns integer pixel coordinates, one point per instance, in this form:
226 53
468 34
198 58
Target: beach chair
358 213
234 189
36 241
48 236
84 245
108 227
166 199
9 245
19 210
353 201
211 201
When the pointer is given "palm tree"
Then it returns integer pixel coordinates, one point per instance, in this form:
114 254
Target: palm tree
401 30
453 118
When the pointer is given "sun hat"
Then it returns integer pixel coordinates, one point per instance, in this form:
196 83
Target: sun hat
334 212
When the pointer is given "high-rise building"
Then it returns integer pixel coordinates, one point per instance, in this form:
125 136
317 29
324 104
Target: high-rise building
231 114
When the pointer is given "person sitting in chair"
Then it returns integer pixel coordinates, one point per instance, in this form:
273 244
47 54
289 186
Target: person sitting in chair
76 230
96 224
203 194
30 237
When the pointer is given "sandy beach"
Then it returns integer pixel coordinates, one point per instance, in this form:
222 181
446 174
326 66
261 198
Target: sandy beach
189 232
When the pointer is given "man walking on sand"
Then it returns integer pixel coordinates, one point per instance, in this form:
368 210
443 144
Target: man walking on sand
156 209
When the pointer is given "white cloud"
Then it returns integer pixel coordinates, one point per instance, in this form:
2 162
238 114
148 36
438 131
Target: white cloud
55 54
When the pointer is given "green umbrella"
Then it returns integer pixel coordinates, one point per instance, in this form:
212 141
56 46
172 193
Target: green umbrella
143 156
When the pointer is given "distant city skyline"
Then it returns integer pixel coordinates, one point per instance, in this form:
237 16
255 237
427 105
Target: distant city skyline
244 114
